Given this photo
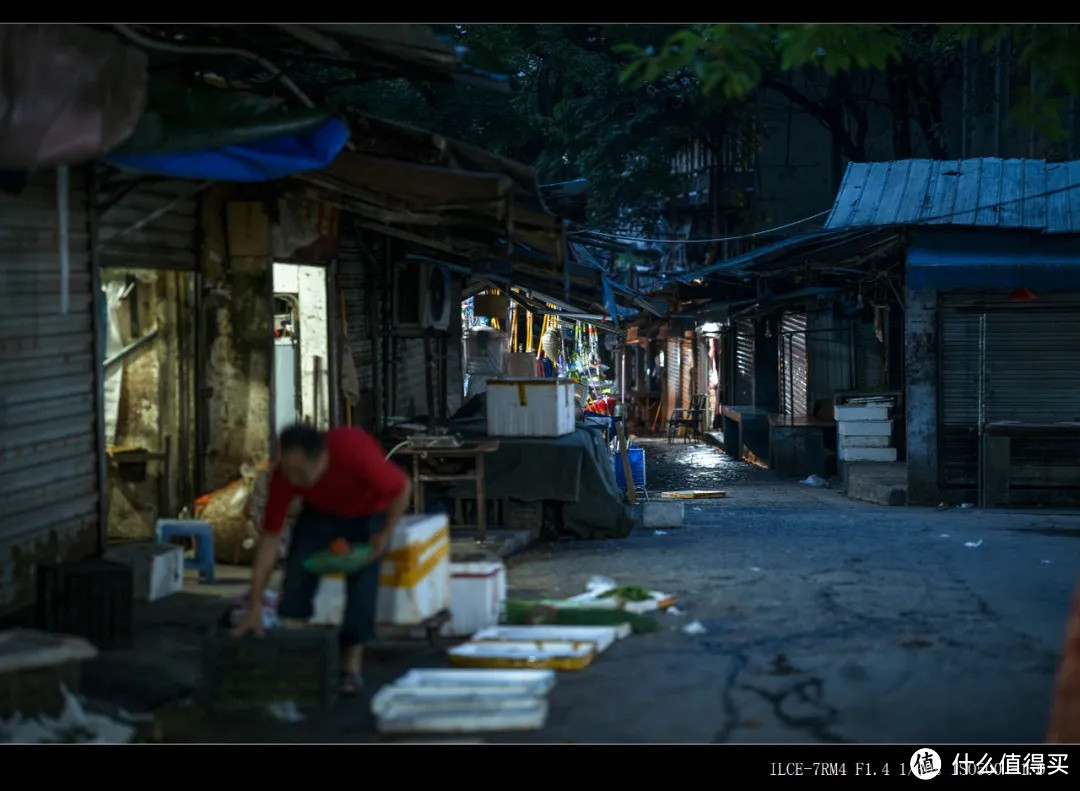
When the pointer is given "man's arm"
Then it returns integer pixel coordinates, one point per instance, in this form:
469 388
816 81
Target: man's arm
390 483
278 499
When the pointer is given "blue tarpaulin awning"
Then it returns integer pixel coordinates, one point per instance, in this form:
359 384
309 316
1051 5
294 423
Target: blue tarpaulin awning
994 260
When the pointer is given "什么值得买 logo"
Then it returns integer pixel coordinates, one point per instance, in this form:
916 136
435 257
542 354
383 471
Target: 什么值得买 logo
925 764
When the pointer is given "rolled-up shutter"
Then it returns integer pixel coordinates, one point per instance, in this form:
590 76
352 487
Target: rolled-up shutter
959 397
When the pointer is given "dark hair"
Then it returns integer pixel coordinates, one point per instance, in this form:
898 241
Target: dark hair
541 353
302 438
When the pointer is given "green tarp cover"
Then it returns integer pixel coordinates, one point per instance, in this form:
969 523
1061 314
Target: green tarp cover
574 470
179 118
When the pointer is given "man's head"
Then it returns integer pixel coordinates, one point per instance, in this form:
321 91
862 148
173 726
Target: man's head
542 354
303 458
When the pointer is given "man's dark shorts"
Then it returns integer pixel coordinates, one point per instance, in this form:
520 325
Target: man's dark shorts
313 532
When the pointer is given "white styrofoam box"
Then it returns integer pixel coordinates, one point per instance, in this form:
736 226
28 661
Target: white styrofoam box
157 569
414 580
534 682
603 637
660 514
860 413
530 407
477 595
530 715
864 428
868 454
443 699
865 442
329 605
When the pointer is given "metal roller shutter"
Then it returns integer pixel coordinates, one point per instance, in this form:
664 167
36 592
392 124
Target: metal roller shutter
686 378
794 369
959 396
151 227
50 451
744 363
673 374
361 321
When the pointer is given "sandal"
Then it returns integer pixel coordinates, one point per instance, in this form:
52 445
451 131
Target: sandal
351 684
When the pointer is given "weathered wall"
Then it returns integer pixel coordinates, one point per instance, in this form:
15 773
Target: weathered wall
921 402
155 395
237 331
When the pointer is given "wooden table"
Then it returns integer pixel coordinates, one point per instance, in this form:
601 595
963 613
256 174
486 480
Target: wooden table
469 450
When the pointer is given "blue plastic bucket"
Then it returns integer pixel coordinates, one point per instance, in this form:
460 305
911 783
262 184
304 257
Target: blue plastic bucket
637 467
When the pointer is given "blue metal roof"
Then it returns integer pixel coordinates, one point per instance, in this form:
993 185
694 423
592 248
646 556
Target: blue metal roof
956 259
984 193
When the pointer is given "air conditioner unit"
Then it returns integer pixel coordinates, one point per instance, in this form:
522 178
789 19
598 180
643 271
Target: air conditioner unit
422 297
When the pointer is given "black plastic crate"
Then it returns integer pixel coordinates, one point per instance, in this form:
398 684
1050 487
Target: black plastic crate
93 599
299 665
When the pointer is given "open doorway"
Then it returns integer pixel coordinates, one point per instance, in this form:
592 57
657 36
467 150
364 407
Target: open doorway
149 377
301 346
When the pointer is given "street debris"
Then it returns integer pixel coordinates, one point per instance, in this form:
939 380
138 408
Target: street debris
945 535
755 569
973 544
696 508
1046 562
285 711
74 726
694 628
967 506
815 481
673 610
660 532
694 494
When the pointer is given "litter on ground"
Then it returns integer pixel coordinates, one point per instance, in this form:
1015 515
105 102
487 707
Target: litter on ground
693 628
673 610
973 544
815 481
285 711
660 533
945 535
707 494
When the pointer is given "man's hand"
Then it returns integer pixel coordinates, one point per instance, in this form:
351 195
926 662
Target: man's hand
251 623
379 542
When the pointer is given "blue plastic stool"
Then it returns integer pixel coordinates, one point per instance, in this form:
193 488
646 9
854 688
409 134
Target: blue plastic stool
167 529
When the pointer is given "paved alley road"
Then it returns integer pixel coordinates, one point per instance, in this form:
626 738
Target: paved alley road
826 620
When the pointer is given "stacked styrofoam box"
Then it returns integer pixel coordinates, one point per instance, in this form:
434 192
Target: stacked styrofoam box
864 433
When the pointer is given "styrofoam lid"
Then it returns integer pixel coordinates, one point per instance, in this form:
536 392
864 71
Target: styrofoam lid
482 569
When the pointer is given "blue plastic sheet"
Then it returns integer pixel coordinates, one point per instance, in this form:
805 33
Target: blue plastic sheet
264 160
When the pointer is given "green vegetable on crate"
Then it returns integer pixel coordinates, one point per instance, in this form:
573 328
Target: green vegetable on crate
628 593
534 613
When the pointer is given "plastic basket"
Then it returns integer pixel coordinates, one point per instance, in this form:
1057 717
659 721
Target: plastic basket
637 467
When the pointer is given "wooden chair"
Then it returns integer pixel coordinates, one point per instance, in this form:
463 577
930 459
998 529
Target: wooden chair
690 419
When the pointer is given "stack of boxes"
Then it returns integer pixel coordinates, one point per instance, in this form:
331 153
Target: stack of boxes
865 431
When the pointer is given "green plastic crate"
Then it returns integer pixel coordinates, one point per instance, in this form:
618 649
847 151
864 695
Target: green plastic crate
299 665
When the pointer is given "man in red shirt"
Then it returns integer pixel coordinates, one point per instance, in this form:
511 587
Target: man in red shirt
349 491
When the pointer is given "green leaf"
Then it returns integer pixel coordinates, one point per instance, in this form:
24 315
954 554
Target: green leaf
630 70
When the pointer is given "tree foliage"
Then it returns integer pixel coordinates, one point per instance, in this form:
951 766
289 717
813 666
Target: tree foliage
916 61
570 116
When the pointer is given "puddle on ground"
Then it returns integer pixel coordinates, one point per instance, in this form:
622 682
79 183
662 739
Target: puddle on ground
696 467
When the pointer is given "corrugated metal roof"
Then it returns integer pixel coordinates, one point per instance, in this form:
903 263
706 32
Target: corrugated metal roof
986 193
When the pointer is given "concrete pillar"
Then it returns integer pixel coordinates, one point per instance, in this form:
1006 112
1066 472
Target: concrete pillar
767 364
921 396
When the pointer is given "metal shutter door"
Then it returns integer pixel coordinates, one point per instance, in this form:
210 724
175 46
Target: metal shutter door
744 363
959 396
50 399
672 374
794 369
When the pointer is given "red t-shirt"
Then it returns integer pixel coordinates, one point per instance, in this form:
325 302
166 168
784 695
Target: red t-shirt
359 481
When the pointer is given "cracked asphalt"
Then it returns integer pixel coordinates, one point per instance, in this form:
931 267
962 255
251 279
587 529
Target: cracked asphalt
826 620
